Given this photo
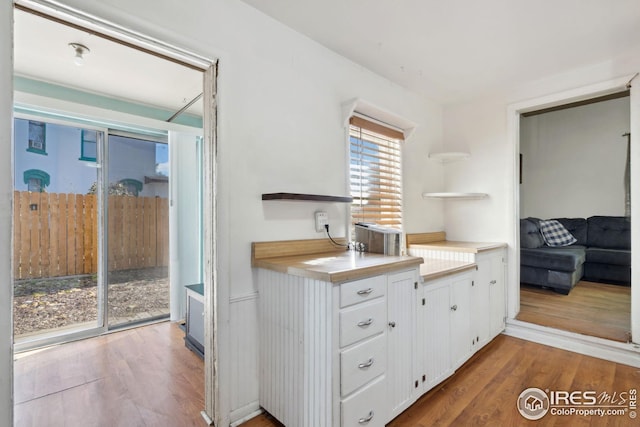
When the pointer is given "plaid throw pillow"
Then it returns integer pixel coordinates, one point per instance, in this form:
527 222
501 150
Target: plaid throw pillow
554 233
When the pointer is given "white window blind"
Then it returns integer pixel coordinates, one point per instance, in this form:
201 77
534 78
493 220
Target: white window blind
375 173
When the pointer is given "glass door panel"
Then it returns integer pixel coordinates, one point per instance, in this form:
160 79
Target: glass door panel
137 225
56 247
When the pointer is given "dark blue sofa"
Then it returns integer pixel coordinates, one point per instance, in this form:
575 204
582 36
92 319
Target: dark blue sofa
602 253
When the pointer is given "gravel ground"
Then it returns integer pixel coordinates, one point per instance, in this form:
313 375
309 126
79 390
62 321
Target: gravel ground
42 304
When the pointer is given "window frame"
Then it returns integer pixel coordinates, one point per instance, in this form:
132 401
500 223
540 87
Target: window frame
38 174
387 138
32 134
83 141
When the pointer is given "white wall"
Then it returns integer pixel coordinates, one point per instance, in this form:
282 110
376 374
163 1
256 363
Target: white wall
574 161
280 129
6 191
184 213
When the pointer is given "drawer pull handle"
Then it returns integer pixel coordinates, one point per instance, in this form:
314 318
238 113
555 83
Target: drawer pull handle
367 364
454 307
493 282
365 322
366 419
365 291
392 324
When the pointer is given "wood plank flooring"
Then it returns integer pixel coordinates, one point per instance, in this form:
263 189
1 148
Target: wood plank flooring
146 377
594 309
138 377
485 390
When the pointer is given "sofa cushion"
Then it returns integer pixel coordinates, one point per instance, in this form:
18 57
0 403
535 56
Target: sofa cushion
554 233
577 227
530 236
607 273
609 256
609 232
562 259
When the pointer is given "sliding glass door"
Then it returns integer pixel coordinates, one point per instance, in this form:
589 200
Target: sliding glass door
92 221
56 250
137 224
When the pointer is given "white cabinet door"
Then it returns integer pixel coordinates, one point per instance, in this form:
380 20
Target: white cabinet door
460 317
481 303
401 341
497 293
489 312
435 334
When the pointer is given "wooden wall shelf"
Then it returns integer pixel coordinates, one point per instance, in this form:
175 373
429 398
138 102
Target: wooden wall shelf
455 195
306 197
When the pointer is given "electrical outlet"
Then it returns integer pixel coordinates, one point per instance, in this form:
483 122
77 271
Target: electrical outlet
322 219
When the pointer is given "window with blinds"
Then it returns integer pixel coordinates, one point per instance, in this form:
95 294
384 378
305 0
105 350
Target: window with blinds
375 173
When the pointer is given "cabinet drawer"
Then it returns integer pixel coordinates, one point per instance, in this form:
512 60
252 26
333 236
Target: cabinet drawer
362 290
362 321
365 408
362 363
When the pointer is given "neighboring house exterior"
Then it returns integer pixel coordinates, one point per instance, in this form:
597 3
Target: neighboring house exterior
62 159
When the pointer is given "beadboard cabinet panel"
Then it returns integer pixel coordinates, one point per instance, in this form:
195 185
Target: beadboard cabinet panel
402 344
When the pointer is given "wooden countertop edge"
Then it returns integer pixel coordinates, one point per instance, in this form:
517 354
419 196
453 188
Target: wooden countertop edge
374 270
447 272
337 276
453 246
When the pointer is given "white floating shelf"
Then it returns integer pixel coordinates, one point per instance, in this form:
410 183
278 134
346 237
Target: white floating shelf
449 156
455 195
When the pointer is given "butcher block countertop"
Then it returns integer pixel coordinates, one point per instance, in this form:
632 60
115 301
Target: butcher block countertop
470 247
438 241
435 268
322 260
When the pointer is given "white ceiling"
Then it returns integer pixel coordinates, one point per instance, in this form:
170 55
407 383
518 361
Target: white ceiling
42 52
447 50
452 50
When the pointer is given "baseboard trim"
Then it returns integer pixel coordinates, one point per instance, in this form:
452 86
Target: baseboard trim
627 354
245 413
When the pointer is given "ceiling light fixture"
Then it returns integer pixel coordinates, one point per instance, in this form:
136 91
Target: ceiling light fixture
80 50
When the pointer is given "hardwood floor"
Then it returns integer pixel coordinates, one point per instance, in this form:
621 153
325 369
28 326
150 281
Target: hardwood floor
146 377
138 377
594 309
485 390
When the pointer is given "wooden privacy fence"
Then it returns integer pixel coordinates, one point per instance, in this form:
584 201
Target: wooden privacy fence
56 234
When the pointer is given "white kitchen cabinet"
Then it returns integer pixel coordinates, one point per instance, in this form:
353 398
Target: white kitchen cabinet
402 377
434 333
481 307
489 308
444 327
497 294
359 353
460 307
328 356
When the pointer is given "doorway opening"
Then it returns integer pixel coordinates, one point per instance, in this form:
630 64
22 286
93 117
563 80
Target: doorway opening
570 340
95 229
574 172
46 89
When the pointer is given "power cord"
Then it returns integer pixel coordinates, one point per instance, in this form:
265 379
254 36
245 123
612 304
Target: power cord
326 227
